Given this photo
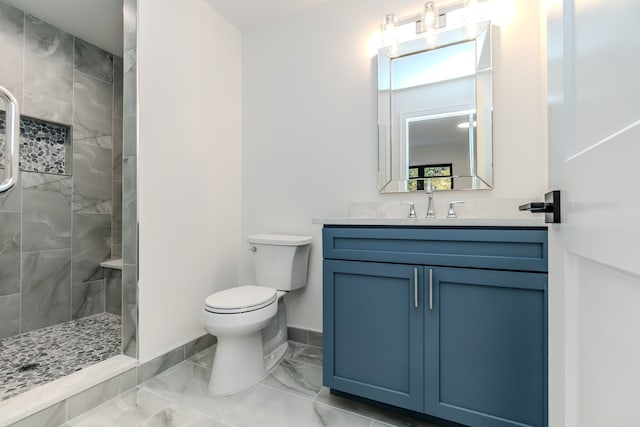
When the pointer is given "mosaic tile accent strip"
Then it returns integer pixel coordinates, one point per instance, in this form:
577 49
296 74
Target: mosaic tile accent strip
41 356
44 146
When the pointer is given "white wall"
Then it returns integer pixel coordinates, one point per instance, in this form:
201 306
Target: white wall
309 124
189 166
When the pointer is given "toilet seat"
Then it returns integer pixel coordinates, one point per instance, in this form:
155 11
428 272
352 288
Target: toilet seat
240 299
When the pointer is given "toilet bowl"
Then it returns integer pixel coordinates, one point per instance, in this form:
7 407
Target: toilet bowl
238 316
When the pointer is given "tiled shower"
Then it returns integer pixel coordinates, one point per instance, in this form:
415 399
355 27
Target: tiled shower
64 217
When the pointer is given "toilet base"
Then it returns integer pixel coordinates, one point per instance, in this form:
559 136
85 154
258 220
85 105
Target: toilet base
235 367
242 361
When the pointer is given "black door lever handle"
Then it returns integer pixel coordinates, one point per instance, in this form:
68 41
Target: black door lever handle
537 207
550 207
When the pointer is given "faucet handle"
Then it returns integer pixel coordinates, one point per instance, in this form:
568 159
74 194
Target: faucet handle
412 209
452 212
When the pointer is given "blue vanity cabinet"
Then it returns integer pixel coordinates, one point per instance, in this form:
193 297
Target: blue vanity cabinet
485 347
377 331
445 321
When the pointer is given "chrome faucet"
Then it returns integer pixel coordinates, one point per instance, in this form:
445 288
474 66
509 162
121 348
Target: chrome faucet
428 188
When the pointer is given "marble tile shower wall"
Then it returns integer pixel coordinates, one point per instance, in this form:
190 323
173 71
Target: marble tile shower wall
129 183
56 229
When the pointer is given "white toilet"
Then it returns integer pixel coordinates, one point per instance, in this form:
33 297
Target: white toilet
238 317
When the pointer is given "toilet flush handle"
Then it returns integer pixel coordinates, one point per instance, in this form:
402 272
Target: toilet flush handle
253 249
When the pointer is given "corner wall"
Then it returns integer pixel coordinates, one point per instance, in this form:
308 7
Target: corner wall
189 167
310 125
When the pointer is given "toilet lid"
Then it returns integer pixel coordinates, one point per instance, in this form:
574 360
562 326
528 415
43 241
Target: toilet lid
240 299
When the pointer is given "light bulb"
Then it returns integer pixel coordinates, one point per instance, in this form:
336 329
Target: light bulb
473 17
388 32
430 23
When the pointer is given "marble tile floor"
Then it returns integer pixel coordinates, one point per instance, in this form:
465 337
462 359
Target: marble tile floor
292 395
34 358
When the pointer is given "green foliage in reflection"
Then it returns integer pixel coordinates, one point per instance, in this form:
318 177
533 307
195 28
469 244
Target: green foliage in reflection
432 173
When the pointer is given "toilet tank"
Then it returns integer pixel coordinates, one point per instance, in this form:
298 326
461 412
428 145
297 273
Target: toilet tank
281 260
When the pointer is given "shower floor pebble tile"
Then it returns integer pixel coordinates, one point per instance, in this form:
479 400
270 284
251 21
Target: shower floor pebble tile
292 395
41 356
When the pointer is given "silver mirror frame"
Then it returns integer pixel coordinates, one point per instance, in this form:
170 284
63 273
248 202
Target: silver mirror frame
481 176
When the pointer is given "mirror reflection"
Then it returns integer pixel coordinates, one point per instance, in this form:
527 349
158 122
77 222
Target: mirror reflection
435 113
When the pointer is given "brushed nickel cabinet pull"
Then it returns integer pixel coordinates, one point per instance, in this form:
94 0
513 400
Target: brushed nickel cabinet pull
430 289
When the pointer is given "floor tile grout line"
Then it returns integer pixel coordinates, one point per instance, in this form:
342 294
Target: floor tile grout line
183 406
157 394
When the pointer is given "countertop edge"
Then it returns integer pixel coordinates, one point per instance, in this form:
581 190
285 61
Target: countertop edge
434 222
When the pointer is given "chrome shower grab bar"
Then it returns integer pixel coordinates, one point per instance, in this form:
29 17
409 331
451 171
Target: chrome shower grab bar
11 141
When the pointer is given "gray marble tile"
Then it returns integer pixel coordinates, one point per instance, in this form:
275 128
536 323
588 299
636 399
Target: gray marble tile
199 344
267 407
116 251
298 335
46 289
91 246
100 393
204 357
52 416
129 107
46 212
179 416
9 253
310 355
47 108
294 349
130 26
315 339
116 216
48 67
117 149
129 212
93 174
113 291
11 24
11 67
378 414
117 87
11 49
187 384
87 299
93 61
11 201
160 364
128 409
129 311
93 108
9 315
297 378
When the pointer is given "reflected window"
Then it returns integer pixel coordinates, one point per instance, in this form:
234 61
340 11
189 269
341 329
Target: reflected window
419 174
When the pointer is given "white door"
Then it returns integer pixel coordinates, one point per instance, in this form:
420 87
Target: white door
594 156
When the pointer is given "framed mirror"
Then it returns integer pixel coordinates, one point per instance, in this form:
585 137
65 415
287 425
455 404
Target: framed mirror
435 112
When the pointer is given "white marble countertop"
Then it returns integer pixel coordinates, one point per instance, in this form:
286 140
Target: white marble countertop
437 222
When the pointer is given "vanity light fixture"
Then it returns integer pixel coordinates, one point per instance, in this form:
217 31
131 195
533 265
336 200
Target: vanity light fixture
430 20
388 31
474 16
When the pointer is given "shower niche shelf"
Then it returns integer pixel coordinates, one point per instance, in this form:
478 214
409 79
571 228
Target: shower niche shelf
44 146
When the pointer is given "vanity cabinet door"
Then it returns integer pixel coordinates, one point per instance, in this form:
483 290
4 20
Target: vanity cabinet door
485 347
373 331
